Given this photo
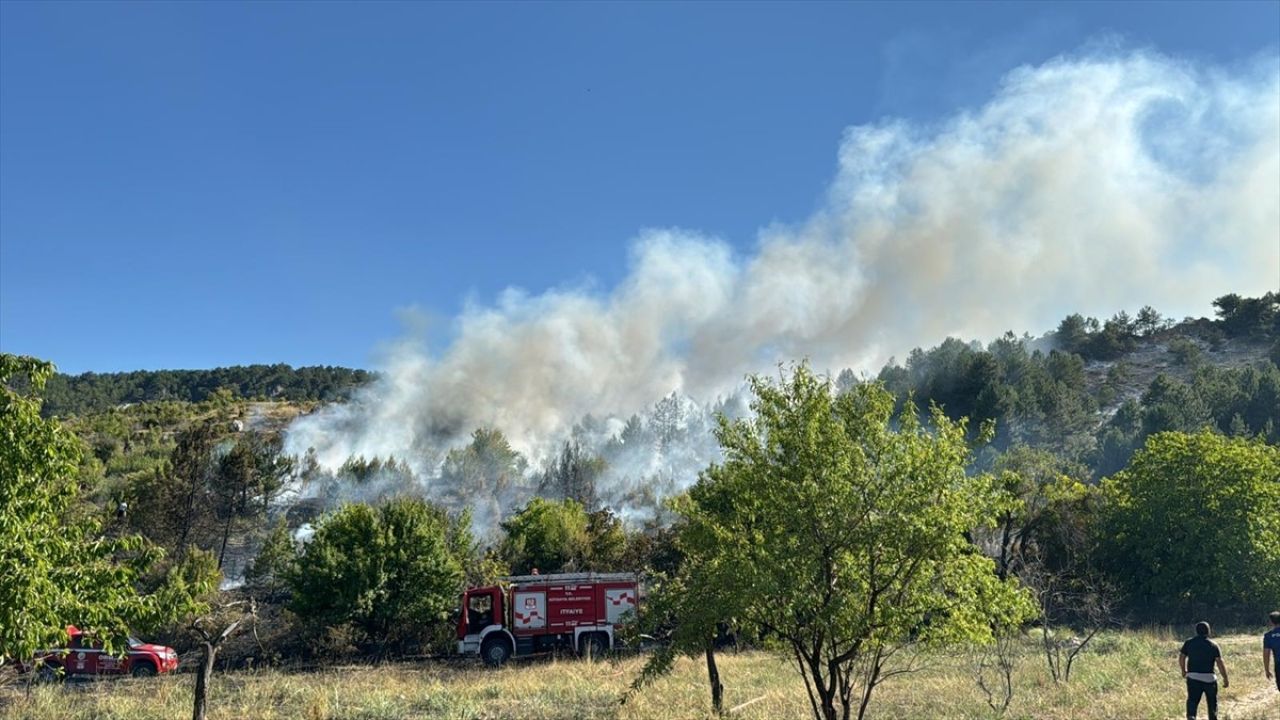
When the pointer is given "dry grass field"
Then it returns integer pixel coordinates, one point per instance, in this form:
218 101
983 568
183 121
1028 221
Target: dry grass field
1129 676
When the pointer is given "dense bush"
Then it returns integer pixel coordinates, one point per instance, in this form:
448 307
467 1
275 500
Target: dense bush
562 536
1249 317
388 577
1191 525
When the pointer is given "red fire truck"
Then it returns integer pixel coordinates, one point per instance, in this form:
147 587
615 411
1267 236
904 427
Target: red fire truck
529 614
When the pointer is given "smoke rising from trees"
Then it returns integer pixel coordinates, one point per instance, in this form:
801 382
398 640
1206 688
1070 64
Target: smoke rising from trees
1087 183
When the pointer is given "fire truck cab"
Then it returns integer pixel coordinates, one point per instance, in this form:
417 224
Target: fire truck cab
531 614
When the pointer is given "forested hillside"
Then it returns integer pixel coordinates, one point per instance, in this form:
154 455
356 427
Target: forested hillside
1092 391
90 392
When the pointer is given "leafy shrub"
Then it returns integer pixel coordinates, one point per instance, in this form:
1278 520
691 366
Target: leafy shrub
384 577
1185 351
1191 525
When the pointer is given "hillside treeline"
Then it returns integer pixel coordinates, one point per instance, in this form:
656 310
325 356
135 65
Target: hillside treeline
67 395
1091 392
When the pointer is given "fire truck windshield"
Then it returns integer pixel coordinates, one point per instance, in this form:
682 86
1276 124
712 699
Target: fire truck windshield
479 611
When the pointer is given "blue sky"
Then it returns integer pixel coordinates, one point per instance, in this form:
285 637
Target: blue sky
192 185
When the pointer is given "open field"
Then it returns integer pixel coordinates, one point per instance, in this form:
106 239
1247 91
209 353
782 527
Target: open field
1129 675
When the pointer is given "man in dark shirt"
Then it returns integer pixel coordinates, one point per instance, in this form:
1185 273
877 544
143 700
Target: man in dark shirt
1197 659
1271 649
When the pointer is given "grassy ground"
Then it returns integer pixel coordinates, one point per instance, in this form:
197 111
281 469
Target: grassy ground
1131 675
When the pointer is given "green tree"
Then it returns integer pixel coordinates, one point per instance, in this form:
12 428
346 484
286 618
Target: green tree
687 611
487 464
482 475
1041 489
1249 317
548 535
1172 405
1072 333
275 559
1118 439
1185 352
1044 537
1114 339
1191 524
606 541
56 566
843 536
1149 321
386 573
652 550
573 475
174 503
245 481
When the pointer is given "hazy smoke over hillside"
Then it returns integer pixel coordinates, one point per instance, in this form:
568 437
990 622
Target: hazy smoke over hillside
1085 184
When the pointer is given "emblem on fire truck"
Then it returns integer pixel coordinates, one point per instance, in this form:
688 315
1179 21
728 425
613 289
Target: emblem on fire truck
532 613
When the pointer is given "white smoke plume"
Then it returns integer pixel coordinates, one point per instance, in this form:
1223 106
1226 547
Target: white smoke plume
1086 184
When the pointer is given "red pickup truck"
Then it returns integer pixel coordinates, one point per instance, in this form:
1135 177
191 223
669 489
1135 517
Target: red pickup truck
85 657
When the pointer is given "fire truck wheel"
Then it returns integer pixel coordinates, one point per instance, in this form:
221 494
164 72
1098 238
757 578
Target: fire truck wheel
144 669
48 674
594 646
495 651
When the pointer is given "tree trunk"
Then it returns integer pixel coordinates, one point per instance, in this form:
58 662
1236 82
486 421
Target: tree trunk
186 523
713 677
1002 564
202 681
226 533
872 679
825 687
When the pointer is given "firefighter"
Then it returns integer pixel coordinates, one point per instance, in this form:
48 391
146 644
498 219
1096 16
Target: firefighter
1198 657
1271 649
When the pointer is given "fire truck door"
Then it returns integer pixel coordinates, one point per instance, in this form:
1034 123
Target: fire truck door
619 602
83 657
529 610
108 665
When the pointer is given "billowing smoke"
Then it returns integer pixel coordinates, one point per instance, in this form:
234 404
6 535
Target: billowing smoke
1086 184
